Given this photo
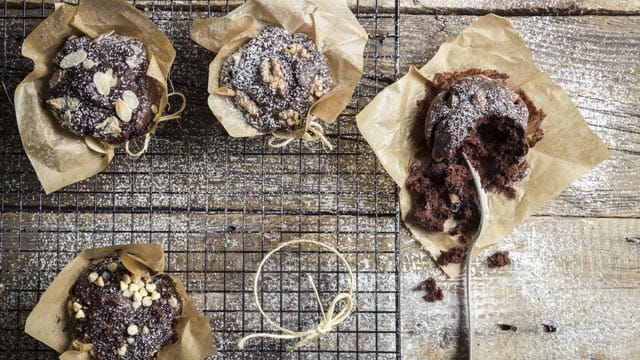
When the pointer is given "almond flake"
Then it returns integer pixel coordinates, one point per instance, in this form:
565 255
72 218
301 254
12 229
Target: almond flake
73 59
110 125
89 64
224 91
123 110
104 81
131 99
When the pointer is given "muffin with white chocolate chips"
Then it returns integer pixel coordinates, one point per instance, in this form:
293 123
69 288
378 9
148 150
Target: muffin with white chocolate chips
100 88
275 79
123 316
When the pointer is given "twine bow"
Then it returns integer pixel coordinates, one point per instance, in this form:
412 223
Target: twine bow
330 319
314 133
174 116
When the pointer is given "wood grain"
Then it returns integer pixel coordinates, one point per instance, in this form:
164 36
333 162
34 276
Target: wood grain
207 197
503 7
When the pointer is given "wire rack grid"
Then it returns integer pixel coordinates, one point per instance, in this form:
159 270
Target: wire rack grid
216 204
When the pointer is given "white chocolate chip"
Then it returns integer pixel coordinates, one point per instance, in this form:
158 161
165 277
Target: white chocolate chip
127 279
123 286
136 305
137 296
143 292
133 288
155 295
173 301
100 281
126 293
76 306
150 287
80 314
154 109
145 329
122 350
93 277
146 301
135 278
112 267
130 340
132 330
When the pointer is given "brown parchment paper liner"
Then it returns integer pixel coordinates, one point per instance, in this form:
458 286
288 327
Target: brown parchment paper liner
59 157
48 322
568 149
332 26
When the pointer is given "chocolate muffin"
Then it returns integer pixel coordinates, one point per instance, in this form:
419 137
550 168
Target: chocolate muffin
472 113
100 88
122 315
275 78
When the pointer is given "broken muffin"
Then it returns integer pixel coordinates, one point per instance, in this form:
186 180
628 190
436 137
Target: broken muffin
275 78
100 88
476 114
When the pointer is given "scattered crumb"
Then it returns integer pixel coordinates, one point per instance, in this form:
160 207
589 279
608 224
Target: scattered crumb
499 259
635 240
456 255
433 292
549 328
507 327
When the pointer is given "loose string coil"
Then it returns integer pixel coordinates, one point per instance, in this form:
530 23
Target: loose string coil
330 319
314 133
483 204
174 116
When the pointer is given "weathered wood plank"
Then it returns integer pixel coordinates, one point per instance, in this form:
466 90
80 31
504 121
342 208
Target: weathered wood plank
513 7
577 274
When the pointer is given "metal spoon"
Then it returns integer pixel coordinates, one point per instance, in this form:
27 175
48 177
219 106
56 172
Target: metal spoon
484 214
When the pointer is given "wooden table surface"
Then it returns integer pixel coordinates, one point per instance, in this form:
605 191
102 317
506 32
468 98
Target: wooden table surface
576 263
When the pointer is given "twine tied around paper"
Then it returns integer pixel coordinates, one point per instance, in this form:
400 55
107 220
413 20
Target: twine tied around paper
174 116
314 133
330 319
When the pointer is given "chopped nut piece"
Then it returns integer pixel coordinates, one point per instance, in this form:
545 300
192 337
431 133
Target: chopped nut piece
100 281
317 88
73 59
133 61
247 104
122 350
104 35
123 110
65 103
224 91
290 117
297 48
146 301
273 75
80 314
132 330
479 98
112 267
173 301
93 277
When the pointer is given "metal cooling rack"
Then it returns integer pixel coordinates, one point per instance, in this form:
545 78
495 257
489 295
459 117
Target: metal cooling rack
216 204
